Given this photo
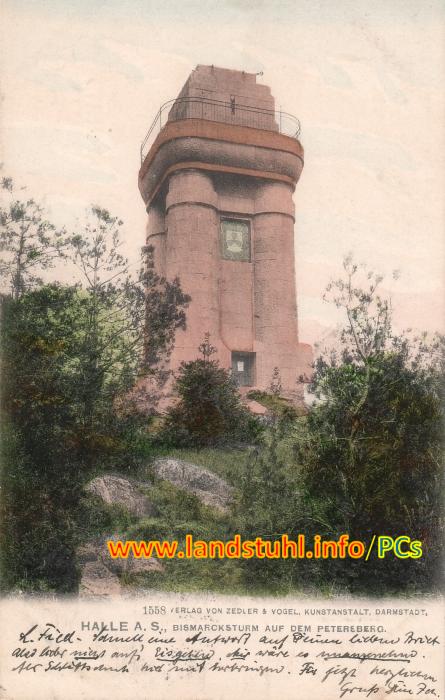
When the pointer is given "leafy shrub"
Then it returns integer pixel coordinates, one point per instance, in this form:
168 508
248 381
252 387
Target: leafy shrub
371 456
282 408
209 409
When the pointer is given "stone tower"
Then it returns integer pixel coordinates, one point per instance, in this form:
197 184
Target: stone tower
219 168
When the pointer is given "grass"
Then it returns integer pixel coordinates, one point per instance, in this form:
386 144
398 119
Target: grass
276 404
228 463
179 513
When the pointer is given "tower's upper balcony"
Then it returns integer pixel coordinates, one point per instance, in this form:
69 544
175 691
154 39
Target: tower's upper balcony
232 112
225 96
222 121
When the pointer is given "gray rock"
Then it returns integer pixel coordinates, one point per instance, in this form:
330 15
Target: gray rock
117 490
98 580
129 565
135 566
205 485
100 572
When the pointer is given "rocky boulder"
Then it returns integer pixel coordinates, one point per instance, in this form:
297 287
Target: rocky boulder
120 491
211 490
100 573
98 581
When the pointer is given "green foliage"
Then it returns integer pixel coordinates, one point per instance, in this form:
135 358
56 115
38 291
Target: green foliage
128 324
29 243
225 461
164 306
366 460
209 410
40 476
176 506
372 452
269 505
69 355
279 407
180 514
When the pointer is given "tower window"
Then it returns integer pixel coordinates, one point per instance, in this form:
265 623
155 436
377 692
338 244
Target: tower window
235 239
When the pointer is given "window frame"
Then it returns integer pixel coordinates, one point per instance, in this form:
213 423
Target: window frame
250 370
236 219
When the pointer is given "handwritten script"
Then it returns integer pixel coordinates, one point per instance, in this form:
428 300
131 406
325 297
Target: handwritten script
319 653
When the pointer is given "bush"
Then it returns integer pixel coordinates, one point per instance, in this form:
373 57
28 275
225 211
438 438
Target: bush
269 505
209 410
377 471
278 407
371 456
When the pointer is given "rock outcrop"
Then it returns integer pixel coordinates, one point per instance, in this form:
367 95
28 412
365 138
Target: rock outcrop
100 573
211 490
123 492
98 581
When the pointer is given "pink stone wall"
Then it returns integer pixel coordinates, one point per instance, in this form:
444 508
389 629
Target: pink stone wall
192 254
236 305
222 85
276 331
156 237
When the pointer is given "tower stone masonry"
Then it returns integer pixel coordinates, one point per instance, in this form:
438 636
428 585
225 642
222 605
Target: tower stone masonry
219 168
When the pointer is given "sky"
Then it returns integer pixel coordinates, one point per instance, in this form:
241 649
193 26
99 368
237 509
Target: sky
81 82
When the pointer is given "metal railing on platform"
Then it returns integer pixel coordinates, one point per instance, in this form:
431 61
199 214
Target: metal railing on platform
219 111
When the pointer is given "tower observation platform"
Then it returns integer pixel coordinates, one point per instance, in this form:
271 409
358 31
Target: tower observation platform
219 166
